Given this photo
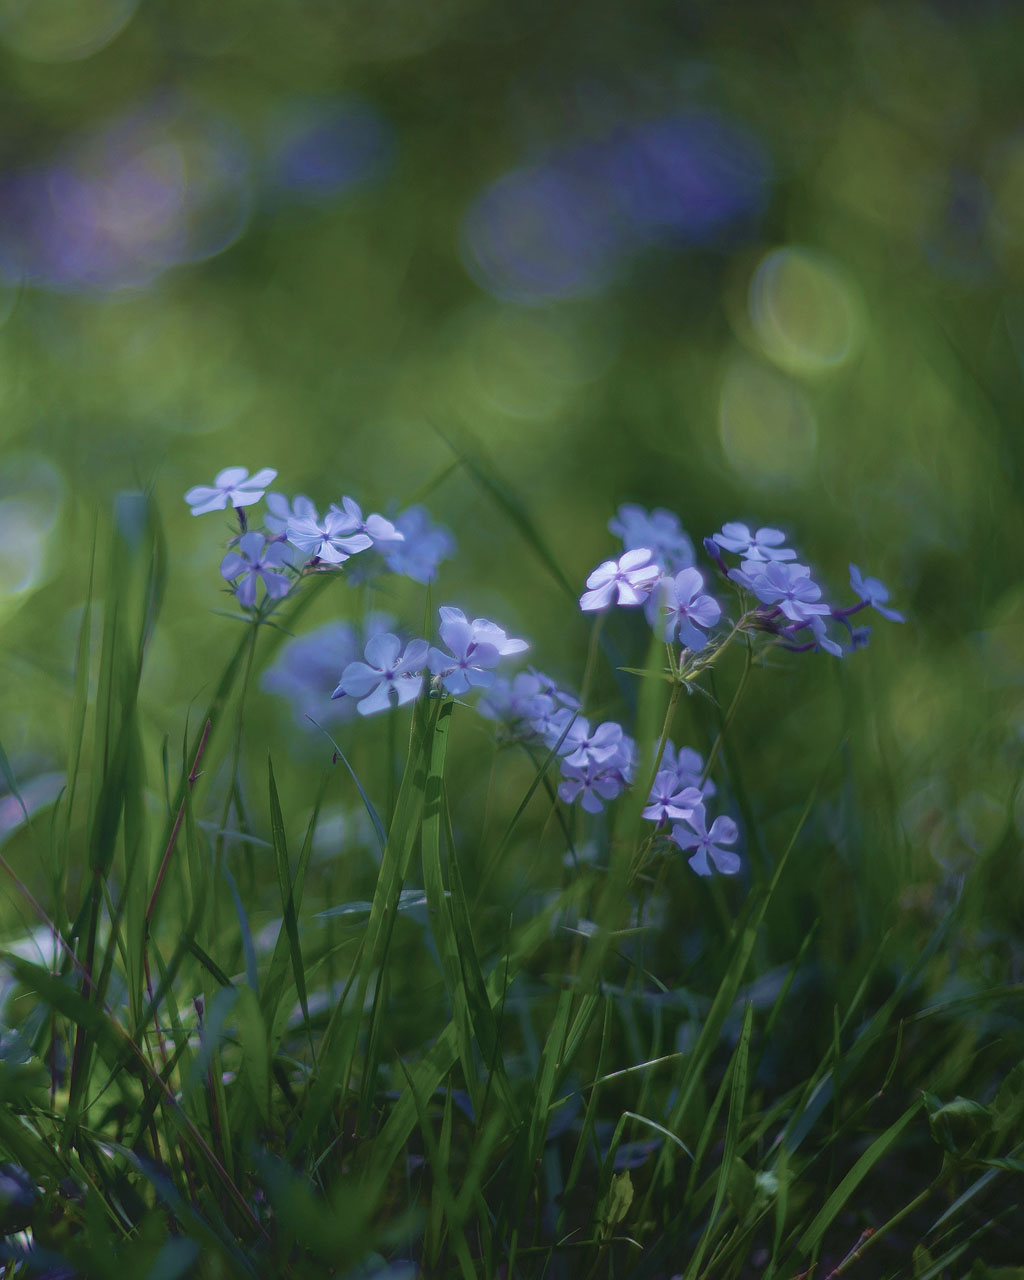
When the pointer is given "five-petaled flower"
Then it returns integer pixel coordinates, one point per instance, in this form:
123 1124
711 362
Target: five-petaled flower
329 540
384 673
631 577
475 648
376 528
790 586
669 801
233 487
705 844
678 606
255 560
765 544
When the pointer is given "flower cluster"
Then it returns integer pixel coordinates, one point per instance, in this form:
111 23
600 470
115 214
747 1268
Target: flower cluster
296 539
657 570
475 648
778 602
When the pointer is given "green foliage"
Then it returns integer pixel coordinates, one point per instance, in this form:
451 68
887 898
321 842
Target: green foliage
434 1074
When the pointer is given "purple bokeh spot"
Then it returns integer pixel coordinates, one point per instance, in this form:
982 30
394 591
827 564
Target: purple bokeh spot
318 152
561 228
117 207
958 245
692 178
541 233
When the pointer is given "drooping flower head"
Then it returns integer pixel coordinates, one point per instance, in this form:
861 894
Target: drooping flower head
872 592
254 560
631 579
232 487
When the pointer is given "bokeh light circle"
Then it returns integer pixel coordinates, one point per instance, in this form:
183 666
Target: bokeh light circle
538 234
803 311
766 426
166 183
318 149
31 498
62 30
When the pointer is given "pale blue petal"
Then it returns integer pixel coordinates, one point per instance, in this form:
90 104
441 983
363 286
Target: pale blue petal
230 476
382 650
379 700
358 679
408 689
232 565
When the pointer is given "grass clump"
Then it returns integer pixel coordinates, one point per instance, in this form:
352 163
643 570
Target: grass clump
553 995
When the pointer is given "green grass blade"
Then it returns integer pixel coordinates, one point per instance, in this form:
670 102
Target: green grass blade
824 1218
290 926
374 816
737 1104
338 1048
495 486
441 924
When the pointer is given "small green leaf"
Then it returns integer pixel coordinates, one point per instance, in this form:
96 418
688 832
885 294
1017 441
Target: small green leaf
741 1188
620 1197
956 1126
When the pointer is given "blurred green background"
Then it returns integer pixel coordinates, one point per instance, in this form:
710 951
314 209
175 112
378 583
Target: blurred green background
757 261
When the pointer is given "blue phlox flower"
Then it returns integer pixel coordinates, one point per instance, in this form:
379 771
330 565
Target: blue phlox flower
232 487
584 746
592 784
660 530
329 540
789 586
526 705
386 671
426 545
822 640
670 802
548 686
692 833
678 606
469 662
687 766
764 545
255 560
516 703
549 718
376 528
281 511
872 592
306 668
631 578
484 631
